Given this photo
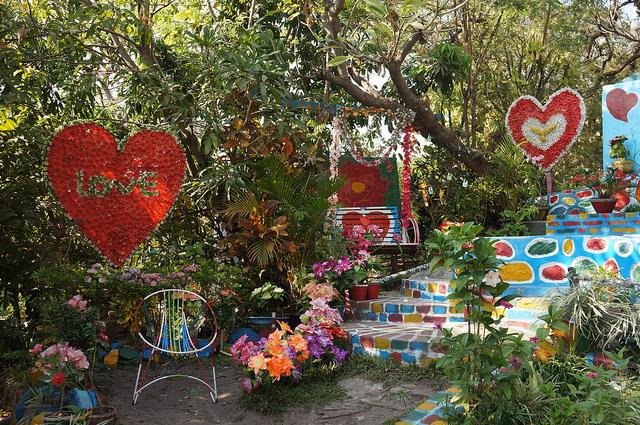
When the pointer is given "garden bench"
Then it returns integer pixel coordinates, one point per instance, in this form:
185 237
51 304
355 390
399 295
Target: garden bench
394 236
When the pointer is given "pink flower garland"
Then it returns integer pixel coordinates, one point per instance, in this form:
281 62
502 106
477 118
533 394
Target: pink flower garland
407 149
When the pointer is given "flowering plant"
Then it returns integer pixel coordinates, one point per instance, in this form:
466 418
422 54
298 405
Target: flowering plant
61 366
607 185
287 352
346 272
618 149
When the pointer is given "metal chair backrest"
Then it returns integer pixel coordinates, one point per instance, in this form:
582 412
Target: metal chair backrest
174 318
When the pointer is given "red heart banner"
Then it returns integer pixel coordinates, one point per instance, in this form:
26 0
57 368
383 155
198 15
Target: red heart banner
380 219
546 132
619 103
117 196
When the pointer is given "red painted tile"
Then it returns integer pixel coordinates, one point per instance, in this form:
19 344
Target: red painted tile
396 356
366 341
417 294
395 318
424 309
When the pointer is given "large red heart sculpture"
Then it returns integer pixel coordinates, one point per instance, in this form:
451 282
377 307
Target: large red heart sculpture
546 132
116 196
619 103
380 219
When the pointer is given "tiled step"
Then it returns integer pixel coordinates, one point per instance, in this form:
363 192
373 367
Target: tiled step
407 343
394 309
426 289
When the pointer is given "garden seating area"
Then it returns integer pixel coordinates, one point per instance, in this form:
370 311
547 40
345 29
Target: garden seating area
330 213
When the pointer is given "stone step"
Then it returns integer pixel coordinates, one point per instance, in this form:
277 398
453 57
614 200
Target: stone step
407 343
391 308
426 289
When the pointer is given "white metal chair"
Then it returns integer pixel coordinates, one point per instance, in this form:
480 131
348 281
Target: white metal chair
172 321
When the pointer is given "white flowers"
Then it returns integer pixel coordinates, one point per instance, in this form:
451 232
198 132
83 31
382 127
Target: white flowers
492 278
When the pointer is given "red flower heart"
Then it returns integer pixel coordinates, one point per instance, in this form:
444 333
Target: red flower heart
619 103
116 196
545 133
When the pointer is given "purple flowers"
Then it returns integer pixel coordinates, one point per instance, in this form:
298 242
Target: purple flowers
343 265
506 304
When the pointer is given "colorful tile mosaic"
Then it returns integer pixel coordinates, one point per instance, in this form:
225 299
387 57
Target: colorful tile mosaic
535 265
434 410
594 224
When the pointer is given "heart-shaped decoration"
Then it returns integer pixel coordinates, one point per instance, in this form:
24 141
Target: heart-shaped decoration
619 103
546 132
380 219
116 195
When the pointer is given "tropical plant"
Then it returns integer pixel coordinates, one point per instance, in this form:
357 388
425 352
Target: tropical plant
602 311
277 218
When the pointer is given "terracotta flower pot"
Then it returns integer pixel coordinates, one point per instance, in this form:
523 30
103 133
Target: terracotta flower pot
358 293
373 290
603 205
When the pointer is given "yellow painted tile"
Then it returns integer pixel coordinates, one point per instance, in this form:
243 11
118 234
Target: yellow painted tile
413 318
439 423
408 292
594 230
403 423
583 216
377 308
432 287
382 343
426 361
453 390
426 406
623 230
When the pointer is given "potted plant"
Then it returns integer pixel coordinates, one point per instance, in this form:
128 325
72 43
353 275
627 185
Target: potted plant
266 300
619 153
606 186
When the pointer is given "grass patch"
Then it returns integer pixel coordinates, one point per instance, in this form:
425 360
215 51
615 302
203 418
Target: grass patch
390 372
318 388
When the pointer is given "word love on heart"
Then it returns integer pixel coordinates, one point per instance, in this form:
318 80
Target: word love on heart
546 132
116 195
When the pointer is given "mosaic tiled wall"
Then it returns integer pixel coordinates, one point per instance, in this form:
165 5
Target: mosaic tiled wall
594 224
578 201
534 265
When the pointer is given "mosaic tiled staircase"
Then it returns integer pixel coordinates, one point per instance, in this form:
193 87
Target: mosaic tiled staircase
405 326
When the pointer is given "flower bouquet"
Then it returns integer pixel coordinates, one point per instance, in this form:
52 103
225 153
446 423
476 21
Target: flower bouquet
287 353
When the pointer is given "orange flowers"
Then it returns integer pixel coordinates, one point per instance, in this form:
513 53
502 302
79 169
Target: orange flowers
278 366
544 351
298 342
257 363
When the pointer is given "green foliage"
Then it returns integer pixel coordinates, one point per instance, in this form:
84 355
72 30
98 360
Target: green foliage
267 298
602 310
445 65
59 322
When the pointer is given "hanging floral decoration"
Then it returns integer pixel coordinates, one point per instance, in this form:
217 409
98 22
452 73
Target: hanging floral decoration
117 195
408 146
401 134
546 132
334 156
352 143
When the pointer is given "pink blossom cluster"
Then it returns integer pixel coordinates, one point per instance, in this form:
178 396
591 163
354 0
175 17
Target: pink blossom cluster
321 291
60 355
363 235
77 302
97 271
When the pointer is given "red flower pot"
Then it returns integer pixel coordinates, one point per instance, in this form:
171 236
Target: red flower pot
602 206
373 290
358 293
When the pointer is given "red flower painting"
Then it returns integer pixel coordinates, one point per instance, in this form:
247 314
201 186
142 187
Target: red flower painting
364 186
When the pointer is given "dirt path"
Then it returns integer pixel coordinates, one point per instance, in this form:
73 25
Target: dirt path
174 402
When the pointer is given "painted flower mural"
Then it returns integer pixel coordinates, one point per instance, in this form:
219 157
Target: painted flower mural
365 185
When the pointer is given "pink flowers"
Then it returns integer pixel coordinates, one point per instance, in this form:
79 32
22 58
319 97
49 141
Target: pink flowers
77 302
62 354
342 265
37 349
592 375
321 291
506 304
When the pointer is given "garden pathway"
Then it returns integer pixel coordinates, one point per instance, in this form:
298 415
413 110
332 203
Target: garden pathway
174 402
